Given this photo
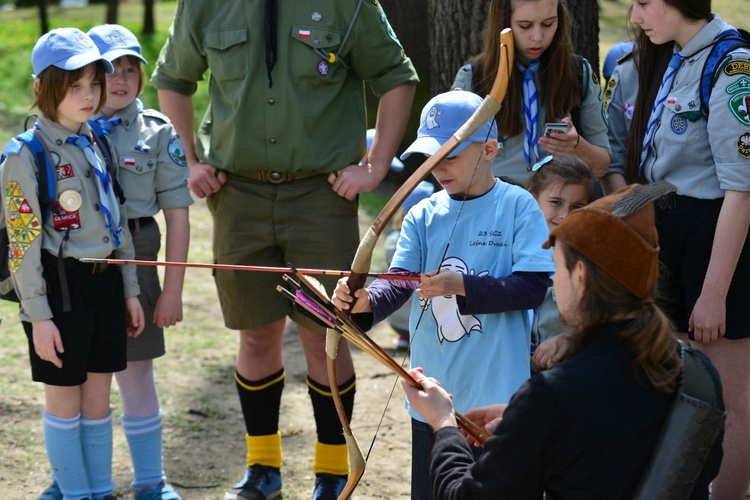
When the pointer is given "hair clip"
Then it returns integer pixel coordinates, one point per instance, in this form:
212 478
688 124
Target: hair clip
542 163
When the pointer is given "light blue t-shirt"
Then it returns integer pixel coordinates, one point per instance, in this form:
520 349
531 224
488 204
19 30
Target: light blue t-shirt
480 359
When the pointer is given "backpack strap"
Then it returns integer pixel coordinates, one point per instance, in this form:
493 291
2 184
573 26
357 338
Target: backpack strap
722 45
101 140
46 175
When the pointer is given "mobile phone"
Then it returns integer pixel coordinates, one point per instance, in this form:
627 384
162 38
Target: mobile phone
555 128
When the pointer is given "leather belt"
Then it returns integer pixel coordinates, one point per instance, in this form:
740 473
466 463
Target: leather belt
274 177
671 201
75 265
135 224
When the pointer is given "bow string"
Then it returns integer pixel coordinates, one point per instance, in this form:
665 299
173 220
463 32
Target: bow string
363 257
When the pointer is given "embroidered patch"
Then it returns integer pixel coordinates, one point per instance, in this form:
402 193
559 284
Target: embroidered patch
743 145
23 225
54 157
323 68
740 104
65 220
63 172
629 109
737 68
739 91
176 151
678 124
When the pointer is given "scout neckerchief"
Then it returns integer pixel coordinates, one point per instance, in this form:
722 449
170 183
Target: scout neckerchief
108 124
108 203
666 85
530 110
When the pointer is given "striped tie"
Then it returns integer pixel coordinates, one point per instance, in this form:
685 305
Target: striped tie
107 125
108 203
530 110
666 85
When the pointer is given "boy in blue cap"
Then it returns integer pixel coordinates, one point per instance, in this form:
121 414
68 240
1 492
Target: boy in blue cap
479 244
76 316
153 173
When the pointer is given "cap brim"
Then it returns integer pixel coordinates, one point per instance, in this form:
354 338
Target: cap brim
397 165
81 60
118 53
429 146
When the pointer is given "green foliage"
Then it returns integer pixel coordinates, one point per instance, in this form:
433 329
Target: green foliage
21 29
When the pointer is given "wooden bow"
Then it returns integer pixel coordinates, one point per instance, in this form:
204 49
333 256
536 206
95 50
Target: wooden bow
363 258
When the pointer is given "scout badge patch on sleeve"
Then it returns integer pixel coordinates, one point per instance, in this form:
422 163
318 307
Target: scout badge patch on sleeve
23 225
176 151
743 145
739 100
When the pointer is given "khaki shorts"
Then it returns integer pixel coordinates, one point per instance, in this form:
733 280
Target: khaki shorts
303 223
150 343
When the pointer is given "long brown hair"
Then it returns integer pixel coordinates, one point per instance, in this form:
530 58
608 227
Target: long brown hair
650 335
652 61
560 89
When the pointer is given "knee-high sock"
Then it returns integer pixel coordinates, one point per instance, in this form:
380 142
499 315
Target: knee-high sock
144 441
62 438
96 442
261 401
330 448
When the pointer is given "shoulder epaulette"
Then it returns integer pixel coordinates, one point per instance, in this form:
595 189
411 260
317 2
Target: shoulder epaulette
152 113
625 57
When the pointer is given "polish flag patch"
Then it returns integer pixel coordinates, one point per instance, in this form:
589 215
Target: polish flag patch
303 33
129 162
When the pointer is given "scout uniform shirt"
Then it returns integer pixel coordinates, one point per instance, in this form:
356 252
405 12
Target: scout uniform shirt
619 101
704 157
313 118
89 236
510 164
152 167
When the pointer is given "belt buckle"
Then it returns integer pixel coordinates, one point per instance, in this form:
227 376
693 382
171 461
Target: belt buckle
99 267
666 202
276 177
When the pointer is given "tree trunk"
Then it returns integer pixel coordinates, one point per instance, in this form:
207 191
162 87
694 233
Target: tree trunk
455 34
409 20
149 23
43 17
585 28
456 28
112 11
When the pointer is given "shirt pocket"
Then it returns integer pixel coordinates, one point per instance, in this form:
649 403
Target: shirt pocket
683 122
137 175
311 48
227 52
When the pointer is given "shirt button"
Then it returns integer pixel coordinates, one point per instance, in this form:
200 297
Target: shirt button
88 173
272 101
272 141
105 239
127 123
96 207
59 142
677 108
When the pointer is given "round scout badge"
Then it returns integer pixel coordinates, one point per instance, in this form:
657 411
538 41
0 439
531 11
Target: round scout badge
70 200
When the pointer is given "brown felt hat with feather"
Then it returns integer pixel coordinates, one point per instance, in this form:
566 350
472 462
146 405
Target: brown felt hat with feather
617 233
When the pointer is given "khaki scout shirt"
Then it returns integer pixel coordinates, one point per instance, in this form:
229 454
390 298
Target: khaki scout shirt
89 236
313 118
152 167
704 157
619 100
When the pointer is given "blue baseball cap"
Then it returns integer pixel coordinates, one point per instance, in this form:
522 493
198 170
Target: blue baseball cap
66 48
442 117
396 164
115 41
423 190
